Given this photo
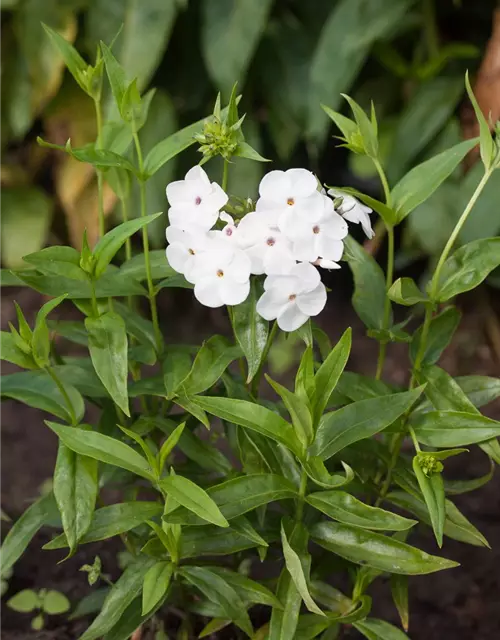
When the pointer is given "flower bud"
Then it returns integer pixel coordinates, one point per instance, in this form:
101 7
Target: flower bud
430 465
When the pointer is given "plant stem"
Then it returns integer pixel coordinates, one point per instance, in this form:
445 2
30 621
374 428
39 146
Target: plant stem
128 242
395 448
302 494
100 193
225 174
383 180
95 308
64 394
145 244
265 353
430 26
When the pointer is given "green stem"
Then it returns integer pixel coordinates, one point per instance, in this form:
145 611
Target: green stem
414 439
430 26
225 174
265 353
302 493
64 394
395 448
100 191
128 242
145 244
95 308
383 180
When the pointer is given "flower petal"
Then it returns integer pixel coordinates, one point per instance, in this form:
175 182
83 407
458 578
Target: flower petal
275 186
303 182
291 318
312 302
278 260
177 256
307 275
233 292
207 291
271 304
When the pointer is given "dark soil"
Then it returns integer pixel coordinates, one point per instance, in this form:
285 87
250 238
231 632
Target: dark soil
461 604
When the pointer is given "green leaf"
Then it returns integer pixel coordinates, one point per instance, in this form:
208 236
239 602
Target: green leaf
375 629
349 21
40 342
248 590
108 346
61 261
405 291
421 182
296 571
176 367
441 331
75 490
102 448
299 411
92 603
345 508
108 245
453 428
215 355
347 126
10 352
101 158
229 35
136 266
221 593
38 390
399 592
359 420
486 143
432 489
243 526
240 495
116 75
329 373
193 498
467 267
24 601
251 416
122 593
112 520
54 603
250 330
25 528
132 619
136 325
375 550
369 285
319 474
72 59
144 31
424 117
26 218
213 541
367 131
480 390
156 583
168 445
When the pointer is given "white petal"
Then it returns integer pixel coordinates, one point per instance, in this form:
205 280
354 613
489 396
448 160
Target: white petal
308 277
306 250
207 292
270 305
197 173
335 226
174 234
330 249
278 260
275 186
192 218
178 192
367 225
256 256
217 198
327 264
225 217
177 255
233 292
303 182
239 267
291 318
312 302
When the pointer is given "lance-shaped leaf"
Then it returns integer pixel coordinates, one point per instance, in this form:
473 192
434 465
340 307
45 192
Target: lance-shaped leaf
399 592
453 428
298 410
155 586
108 347
72 59
405 292
40 342
441 331
62 261
486 143
194 498
432 489
375 550
248 590
375 629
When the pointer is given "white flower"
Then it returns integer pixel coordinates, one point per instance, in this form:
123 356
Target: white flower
293 298
353 210
183 247
195 201
220 275
320 238
268 249
284 195
229 233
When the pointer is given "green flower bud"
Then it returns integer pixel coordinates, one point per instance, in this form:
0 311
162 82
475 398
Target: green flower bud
430 465
218 139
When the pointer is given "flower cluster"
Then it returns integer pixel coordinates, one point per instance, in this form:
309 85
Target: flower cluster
295 227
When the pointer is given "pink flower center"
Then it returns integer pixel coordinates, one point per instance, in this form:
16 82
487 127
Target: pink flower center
229 231
271 242
292 297
220 273
197 200
316 229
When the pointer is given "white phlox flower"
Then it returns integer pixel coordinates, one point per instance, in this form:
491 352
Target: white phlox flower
230 230
354 211
321 238
221 275
268 249
288 195
183 246
195 201
292 299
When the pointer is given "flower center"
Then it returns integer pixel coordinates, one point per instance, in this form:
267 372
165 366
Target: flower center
271 242
191 251
197 200
292 297
290 202
229 231
316 229
220 273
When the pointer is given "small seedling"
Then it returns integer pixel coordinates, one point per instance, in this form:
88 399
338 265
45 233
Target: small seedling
43 602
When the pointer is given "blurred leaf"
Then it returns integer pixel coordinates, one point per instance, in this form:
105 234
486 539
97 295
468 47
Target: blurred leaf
424 116
24 601
486 143
375 629
432 222
145 31
25 223
346 38
399 591
441 331
213 358
481 222
54 603
454 428
231 30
